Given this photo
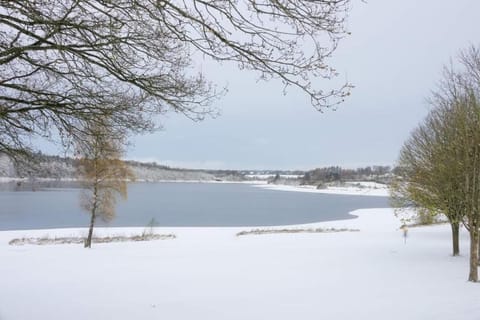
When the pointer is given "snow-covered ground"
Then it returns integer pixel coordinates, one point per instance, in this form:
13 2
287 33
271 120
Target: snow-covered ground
350 188
209 273
9 179
270 176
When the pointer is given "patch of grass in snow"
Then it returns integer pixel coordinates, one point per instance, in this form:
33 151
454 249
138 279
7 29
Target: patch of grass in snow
80 240
296 230
419 217
421 224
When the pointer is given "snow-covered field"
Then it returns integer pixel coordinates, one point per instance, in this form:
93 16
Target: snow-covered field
209 273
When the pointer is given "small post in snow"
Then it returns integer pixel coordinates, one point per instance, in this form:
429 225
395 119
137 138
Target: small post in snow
404 228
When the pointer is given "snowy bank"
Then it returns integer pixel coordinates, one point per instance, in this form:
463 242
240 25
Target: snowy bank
352 188
210 273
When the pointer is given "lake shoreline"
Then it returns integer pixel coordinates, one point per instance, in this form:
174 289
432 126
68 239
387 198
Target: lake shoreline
348 188
182 205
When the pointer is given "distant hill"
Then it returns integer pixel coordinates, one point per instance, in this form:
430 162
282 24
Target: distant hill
61 168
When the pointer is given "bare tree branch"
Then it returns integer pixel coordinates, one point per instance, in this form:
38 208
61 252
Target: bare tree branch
65 64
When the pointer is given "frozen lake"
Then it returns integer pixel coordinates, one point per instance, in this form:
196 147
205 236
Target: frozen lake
182 205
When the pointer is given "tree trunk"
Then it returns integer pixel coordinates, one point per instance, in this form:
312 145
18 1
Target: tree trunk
455 238
478 256
473 276
88 241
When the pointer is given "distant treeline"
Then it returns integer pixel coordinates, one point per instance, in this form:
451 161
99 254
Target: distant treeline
57 167
381 174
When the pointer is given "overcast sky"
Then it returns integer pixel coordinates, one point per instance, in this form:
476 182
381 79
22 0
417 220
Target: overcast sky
394 58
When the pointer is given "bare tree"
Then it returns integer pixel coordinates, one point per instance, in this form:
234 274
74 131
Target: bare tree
104 176
460 100
67 64
428 178
441 160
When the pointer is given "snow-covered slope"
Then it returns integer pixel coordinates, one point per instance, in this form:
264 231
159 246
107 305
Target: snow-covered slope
7 169
348 188
59 168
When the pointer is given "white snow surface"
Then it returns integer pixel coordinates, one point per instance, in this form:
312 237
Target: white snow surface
210 273
351 188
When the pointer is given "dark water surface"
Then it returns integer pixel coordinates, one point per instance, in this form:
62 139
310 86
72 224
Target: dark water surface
181 205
